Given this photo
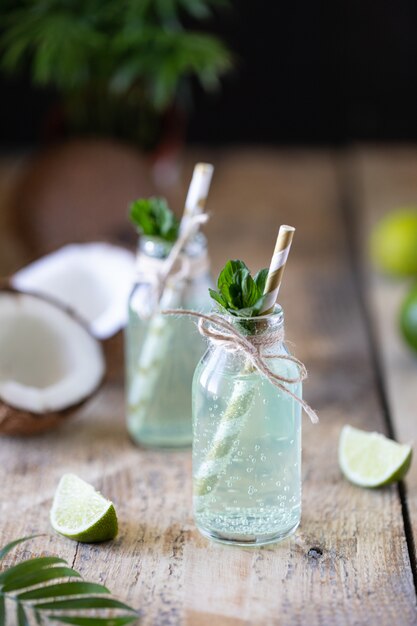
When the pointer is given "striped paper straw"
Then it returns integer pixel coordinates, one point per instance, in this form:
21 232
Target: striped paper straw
197 192
277 267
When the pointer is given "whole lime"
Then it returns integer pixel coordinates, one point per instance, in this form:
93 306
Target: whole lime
393 243
408 318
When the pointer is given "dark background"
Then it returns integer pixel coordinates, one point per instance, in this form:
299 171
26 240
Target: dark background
306 73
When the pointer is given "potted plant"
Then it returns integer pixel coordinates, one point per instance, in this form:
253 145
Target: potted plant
120 67
122 70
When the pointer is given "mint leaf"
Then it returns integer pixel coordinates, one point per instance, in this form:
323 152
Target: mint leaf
218 298
238 293
250 293
260 279
154 218
232 274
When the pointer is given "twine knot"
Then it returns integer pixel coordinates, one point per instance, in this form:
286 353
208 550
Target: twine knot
219 330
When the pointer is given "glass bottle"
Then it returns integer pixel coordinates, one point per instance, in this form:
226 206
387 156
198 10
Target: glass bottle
247 441
162 351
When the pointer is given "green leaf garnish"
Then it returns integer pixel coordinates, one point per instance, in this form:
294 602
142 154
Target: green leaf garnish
57 602
260 279
154 218
238 293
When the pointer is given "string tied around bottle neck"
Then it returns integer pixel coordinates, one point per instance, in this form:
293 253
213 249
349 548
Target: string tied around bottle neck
222 332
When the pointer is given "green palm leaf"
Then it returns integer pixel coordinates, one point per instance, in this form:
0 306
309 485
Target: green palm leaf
28 567
39 576
12 544
2 611
95 621
62 589
110 58
22 619
83 603
91 602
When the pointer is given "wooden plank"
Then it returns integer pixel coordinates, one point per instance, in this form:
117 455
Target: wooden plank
385 180
348 563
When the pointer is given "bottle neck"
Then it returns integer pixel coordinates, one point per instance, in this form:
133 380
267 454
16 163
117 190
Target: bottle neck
153 253
265 332
156 248
153 247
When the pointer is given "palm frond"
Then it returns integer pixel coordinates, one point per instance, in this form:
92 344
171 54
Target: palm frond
13 544
60 596
82 44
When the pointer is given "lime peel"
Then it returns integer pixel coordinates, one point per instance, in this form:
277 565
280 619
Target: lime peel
369 459
79 512
393 243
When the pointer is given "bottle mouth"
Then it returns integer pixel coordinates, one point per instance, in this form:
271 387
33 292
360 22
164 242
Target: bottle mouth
160 249
275 317
260 324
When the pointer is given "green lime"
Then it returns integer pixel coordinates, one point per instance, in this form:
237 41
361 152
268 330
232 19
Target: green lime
79 512
408 318
393 243
370 459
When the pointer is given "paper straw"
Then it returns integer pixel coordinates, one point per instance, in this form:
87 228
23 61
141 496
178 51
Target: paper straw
277 267
194 206
197 192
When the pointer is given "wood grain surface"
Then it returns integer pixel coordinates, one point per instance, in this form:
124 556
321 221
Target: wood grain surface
349 563
387 180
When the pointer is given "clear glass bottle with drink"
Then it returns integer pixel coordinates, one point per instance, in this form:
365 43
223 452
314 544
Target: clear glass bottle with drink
247 439
162 351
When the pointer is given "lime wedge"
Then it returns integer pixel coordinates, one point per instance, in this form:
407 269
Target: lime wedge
370 459
79 512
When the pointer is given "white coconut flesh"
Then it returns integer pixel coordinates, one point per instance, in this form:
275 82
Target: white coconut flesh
48 359
93 279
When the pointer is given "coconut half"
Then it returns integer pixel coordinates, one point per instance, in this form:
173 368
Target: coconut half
49 362
93 279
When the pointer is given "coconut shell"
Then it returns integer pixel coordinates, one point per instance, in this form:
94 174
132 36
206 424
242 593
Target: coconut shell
23 423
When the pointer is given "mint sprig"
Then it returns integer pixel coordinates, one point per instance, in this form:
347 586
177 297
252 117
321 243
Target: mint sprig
57 595
154 218
238 293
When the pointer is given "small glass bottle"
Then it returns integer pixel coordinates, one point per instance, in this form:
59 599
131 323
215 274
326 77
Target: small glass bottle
162 351
247 441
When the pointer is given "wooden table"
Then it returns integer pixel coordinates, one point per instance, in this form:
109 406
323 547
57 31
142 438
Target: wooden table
353 559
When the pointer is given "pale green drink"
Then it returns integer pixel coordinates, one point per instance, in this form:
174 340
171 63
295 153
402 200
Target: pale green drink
247 445
162 351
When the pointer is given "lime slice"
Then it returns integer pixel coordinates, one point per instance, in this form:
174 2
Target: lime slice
370 459
79 512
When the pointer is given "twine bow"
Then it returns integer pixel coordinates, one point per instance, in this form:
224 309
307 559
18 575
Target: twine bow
223 332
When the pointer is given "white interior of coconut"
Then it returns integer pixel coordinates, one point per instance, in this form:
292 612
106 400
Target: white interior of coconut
92 279
48 360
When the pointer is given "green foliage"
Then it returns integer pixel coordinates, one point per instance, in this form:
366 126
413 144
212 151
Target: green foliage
66 601
154 218
107 54
238 293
